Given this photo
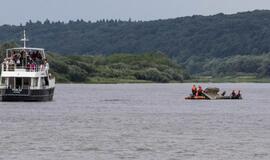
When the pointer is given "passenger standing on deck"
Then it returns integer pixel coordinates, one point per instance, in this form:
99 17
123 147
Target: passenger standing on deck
18 62
46 66
32 66
194 90
200 91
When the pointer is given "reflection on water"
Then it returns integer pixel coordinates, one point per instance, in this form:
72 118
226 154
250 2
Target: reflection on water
137 121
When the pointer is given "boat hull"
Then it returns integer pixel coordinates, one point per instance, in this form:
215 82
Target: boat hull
217 98
196 98
27 95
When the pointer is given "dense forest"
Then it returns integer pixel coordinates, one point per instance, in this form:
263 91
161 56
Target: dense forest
216 46
258 65
215 36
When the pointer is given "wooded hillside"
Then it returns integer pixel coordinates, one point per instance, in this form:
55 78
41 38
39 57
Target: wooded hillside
212 36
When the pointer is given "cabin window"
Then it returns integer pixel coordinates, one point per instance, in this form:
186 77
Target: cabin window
11 84
35 82
46 81
18 82
26 83
3 81
43 81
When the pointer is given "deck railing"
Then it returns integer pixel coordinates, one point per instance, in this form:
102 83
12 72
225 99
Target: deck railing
27 68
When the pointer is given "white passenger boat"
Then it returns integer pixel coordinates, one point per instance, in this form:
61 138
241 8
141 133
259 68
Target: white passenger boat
25 75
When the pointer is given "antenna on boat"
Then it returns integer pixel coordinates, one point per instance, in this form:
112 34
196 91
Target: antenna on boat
24 39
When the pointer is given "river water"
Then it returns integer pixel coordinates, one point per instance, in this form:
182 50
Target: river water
137 121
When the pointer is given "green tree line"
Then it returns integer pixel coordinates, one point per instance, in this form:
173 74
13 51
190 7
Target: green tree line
211 36
116 68
258 65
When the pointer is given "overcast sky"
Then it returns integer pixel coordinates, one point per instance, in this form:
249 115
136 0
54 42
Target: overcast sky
20 11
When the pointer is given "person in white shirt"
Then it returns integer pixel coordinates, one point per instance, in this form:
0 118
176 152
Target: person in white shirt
46 66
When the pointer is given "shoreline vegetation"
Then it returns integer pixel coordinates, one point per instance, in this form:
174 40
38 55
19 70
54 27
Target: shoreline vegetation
155 68
116 68
228 79
158 68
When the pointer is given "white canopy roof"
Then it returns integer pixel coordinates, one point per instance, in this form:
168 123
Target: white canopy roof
22 48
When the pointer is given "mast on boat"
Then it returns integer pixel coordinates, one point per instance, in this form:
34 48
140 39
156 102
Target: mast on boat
24 40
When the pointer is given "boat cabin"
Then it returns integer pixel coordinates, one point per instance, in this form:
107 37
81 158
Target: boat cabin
25 68
30 59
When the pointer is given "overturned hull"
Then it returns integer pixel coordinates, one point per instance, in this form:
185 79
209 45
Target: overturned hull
27 95
197 98
229 97
212 94
216 98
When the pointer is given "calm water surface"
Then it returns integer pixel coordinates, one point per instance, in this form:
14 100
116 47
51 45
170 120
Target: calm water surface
137 121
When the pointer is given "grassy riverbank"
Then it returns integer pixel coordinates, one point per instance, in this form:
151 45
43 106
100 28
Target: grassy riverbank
116 68
229 79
